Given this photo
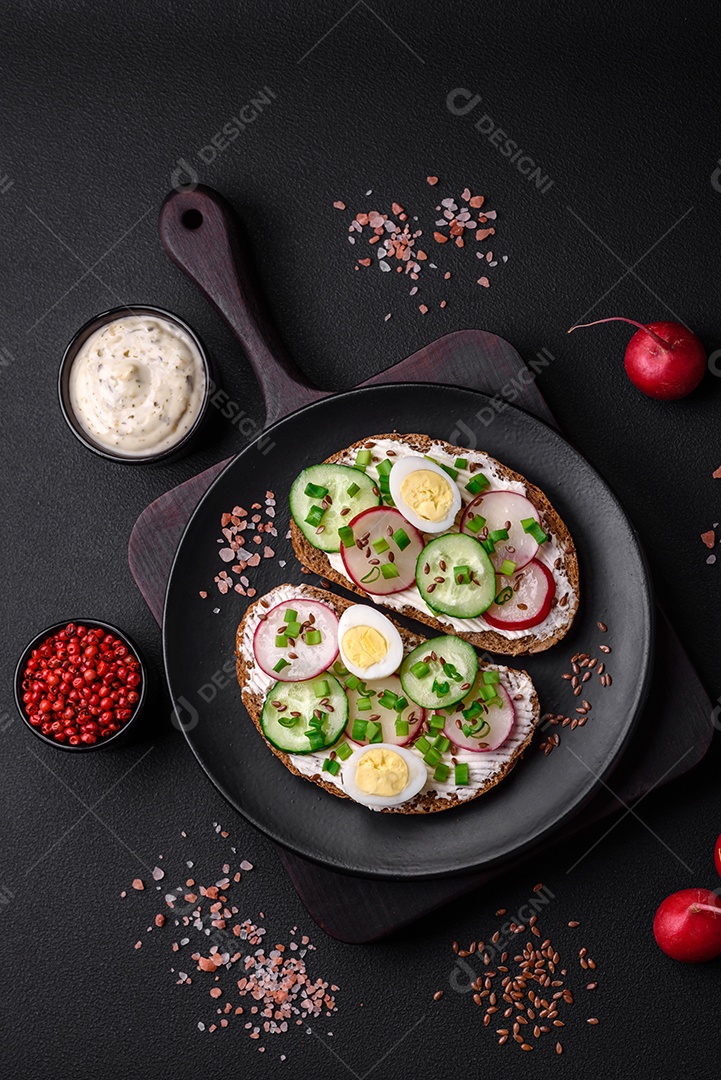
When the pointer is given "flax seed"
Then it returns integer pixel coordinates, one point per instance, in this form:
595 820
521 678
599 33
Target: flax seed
592 1020
559 1048
438 995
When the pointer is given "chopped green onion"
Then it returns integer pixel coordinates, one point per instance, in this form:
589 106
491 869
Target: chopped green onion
461 463
480 729
531 526
363 689
475 523
372 574
353 491
374 732
363 459
477 483
504 595
282 663
380 545
466 729
493 538
345 535
288 721
315 515
401 538
352 682
401 704
420 669
290 615
460 773
364 704
318 721
402 728
358 731
422 744
473 711
315 491
491 678
437 722
487 692
441 743
321 688
340 668
315 738
441 773
453 473
388 699
332 767
440 688
452 672
281 640
390 570
344 751
384 467
313 637
462 574
432 756
292 629
508 567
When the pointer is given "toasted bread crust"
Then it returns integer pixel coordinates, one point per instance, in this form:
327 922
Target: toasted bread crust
425 803
490 640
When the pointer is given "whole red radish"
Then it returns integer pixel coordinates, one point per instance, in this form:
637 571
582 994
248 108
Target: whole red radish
664 360
717 855
687 926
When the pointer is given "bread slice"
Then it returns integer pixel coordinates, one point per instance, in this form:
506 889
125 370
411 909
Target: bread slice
487 768
564 566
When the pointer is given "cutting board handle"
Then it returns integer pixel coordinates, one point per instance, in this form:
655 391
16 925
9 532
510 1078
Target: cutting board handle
201 234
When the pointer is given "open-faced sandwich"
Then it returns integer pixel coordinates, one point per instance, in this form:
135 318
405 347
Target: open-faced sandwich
371 712
440 534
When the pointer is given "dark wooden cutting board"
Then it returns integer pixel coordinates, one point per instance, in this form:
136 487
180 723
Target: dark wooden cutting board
361 910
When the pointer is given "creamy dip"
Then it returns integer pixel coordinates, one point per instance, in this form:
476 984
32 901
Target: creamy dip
137 385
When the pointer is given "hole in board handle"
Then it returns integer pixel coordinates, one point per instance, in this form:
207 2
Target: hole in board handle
192 219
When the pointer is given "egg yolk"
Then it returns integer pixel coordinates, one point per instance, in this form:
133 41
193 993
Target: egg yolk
428 494
364 646
382 772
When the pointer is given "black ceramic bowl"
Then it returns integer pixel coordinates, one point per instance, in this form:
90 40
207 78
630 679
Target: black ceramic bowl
118 737
96 323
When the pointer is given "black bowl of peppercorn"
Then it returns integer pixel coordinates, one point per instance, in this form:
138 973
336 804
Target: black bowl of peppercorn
81 685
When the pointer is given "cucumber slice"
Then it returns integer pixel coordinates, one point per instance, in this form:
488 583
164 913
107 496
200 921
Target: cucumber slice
437 582
324 511
452 668
301 697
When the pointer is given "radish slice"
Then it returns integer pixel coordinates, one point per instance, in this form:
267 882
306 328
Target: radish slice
499 718
498 508
389 566
413 714
530 603
296 660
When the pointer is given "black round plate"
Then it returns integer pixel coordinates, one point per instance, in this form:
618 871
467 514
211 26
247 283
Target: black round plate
542 791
